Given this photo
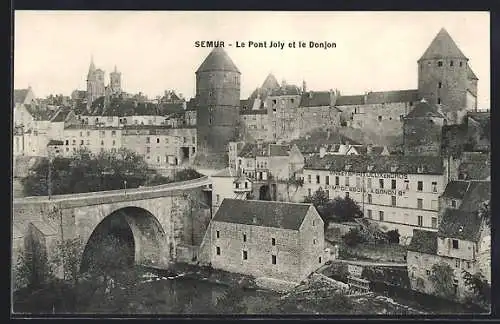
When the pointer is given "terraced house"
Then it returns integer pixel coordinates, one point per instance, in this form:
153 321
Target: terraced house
463 240
396 192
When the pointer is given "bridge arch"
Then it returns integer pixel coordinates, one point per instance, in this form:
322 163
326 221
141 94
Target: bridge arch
139 233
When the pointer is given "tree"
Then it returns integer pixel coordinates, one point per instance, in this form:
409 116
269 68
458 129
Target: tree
442 278
187 174
67 257
345 209
353 237
481 289
393 236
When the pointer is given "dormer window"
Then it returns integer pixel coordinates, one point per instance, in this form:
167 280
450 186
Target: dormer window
420 169
394 168
347 167
369 168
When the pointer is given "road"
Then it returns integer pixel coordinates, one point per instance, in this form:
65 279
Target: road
130 192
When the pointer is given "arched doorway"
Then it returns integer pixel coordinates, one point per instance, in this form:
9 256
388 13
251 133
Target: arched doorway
126 237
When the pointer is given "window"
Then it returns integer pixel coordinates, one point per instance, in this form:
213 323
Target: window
317 179
369 183
451 63
460 64
434 222
407 184
454 244
379 118
337 180
440 85
244 237
81 142
434 186
314 241
439 101
157 140
468 265
218 198
393 200
420 186
314 222
218 234
369 211
428 272
245 255
237 185
74 142
381 183
381 215
81 134
114 142
309 192
102 142
273 259
327 180
347 194
157 158
67 142
393 184
420 203
369 198
147 139
217 250
319 259
246 185
440 63
420 221
273 241
148 149
113 133
347 181
457 263
309 178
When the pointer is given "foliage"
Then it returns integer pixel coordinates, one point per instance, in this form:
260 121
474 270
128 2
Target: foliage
67 257
442 278
231 302
353 237
393 236
86 172
337 210
485 212
480 287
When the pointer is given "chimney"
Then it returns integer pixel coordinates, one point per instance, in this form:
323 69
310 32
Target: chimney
322 151
304 87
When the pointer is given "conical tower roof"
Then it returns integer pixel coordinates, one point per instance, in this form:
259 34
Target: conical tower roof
92 66
443 46
270 83
218 60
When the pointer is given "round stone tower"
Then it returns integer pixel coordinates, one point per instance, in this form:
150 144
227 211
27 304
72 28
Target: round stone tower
218 102
443 77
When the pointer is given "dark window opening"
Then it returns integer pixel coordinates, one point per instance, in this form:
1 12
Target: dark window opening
455 244
244 237
440 85
218 234
393 184
439 101
273 241
245 255
451 63
379 118
218 250
440 63
319 259
273 259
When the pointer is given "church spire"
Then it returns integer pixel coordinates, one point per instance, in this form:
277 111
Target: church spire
92 66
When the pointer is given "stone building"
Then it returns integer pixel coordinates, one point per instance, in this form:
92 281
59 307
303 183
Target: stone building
95 84
395 192
115 82
228 183
463 240
276 240
218 102
423 130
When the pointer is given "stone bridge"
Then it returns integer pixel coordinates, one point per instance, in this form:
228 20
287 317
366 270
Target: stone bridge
161 218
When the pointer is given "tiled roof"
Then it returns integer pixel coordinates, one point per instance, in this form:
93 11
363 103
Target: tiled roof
424 110
38 113
270 82
477 169
20 95
423 242
470 74
322 137
61 115
350 100
456 189
227 172
460 224
278 150
288 89
442 46
315 99
218 60
380 164
478 192
262 213
392 96
251 150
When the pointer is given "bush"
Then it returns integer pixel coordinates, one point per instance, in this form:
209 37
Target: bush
353 237
393 236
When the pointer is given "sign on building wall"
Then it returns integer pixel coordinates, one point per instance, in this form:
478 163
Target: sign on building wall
371 175
390 192
354 270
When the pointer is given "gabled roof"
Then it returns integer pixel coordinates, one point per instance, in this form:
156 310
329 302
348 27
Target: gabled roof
423 242
262 213
218 60
443 46
424 110
380 164
350 100
288 89
315 99
61 115
20 95
460 224
270 83
455 189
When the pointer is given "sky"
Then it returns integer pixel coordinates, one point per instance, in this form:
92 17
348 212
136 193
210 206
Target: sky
155 51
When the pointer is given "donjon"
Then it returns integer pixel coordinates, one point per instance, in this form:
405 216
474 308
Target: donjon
446 79
218 103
